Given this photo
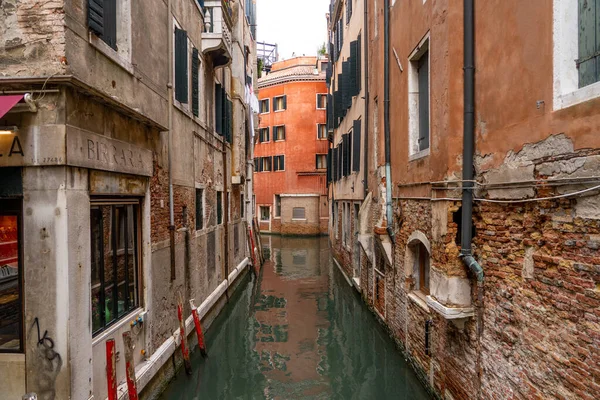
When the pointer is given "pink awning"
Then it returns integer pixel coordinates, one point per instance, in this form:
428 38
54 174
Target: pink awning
8 102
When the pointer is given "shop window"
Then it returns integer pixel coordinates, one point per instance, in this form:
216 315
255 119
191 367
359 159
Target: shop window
279 103
264 213
277 205
11 300
298 213
421 268
115 261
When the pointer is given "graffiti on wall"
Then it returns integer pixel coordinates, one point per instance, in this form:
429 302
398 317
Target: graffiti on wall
49 364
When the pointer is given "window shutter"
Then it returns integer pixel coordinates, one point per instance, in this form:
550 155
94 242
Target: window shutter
356 145
218 109
230 121
347 100
96 16
285 102
358 64
423 71
283 132
329 165
344 154
181 60
353 60
195 72
589 42
110 23
282 162
340 161
341 34
201 4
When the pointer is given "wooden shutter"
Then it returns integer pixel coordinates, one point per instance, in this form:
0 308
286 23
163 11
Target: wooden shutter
283 132
353 69
195 82
347 96
282 162
423 71
359 64
588 63
284 102
218 109
229 121
96 16
110 23
329 165
356 145
181 66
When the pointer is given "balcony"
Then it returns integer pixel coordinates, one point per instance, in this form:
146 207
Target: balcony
216 38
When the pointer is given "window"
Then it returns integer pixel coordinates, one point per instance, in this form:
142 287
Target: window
200 215
421 268
277 205
321 161
115 260
356 130
263 135
11 300
219 207
324 66
264 106
576 56
264 213
279 103
348 10
321 101
181 66
298 213
321 131
279 133
279 163
102 20
195 82
266 162
419 101
242 205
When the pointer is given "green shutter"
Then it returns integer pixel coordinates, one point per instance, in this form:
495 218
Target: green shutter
589 42
195 82
353 69
359 65
356 145
218 109
285 102
96 16
181 61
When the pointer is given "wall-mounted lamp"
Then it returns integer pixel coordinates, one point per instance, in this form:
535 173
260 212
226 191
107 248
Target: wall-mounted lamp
8 130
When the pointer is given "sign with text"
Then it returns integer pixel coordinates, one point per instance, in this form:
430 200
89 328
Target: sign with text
89 150
36 145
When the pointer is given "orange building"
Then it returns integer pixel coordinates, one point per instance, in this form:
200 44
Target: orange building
291 148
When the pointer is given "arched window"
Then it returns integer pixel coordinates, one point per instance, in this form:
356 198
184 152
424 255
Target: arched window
420 267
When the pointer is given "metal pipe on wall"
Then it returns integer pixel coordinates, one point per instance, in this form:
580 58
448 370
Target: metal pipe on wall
386 118
170 142
366 80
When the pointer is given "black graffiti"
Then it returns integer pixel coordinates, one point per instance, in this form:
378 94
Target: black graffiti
48 362
46 341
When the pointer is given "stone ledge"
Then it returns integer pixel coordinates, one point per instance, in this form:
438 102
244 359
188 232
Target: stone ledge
450 312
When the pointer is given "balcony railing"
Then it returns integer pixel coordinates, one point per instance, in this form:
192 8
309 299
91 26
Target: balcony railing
216 39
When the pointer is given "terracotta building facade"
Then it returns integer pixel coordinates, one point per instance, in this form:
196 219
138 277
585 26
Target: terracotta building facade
124 156
291 148
478 234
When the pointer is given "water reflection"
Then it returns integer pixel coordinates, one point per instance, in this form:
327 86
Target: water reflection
300 332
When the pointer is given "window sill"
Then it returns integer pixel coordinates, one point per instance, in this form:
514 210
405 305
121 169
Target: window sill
109 52
280 140
578 96
263 113
419 155
125 320
278 111
321 108
419 299
298 219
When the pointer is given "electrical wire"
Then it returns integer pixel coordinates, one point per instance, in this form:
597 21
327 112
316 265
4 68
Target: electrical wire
561 196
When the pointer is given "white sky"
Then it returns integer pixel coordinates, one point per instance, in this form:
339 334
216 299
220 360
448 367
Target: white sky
296 26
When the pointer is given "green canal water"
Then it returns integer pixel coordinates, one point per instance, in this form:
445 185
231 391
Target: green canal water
298 331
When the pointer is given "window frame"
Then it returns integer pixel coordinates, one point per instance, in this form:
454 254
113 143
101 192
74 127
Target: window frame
296 218
319 131
98 203
260 213
421 268
268 134
320 156
283 98
277 206
322 95
276 130
14 207
266 101
276 167
414 150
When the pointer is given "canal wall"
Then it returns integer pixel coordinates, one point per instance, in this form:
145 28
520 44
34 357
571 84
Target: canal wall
154 374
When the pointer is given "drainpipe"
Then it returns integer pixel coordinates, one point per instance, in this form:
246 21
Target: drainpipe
386 118
366 115
170 139
469 142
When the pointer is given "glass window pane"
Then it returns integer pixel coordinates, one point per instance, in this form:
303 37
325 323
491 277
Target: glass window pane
109 272
132 259
10 296
96 262
121 256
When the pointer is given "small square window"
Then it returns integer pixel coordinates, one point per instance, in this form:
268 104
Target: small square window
264 214
264 106
321 101
298 213
279 132
322 131
280 103
263 135
279 163
321 161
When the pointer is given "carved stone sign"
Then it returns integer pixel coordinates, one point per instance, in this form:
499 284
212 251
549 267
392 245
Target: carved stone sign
89 150
37 145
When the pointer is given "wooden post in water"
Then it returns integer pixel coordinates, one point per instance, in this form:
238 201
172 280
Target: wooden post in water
129 367
199 333
184 348
111 369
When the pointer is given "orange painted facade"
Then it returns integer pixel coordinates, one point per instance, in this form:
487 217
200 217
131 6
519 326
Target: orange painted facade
300 184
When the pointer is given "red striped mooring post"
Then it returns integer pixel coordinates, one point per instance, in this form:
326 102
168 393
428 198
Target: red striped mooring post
111 369
129 367
252 251
184 348
201 344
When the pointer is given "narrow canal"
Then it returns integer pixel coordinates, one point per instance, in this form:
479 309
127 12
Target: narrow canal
300 332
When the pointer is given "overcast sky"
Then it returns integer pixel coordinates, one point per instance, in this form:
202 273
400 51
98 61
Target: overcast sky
296 26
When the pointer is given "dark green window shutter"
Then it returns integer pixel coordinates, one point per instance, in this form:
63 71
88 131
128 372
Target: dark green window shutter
347 96
283 132
201 3
96 16
181 66
218 109
588 63
356 145
329 165
199 209
285 102
195 73
353 68
341 34
281 163
359 65
423 71
110 23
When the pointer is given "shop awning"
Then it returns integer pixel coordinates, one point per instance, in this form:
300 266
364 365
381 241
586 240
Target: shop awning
8 102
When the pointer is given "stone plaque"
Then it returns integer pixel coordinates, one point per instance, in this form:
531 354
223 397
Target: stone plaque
89 150
32 146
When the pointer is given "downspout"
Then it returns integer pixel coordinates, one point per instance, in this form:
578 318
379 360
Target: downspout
170 142
469 143
366 83
386 118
